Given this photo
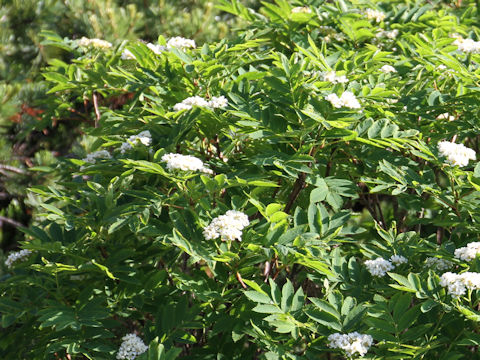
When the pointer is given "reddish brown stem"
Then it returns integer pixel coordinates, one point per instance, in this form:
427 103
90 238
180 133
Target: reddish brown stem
240 280
297 187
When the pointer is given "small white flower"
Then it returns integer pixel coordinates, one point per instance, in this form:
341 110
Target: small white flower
101 154
376 15
219 102
398 260
379 266
445 116
144 138
98 43
453 283
157 49
185 163
467 45
190 102
334 100
392 34
391 101
441 67
216 102
127 55
301 9
387 69
352 343
471 280
457 284
469 252
228 226
17 256
349 100
438 264
180 43
332 77
131 347
456 154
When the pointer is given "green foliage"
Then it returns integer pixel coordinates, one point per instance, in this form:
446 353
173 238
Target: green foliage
23 91
126 243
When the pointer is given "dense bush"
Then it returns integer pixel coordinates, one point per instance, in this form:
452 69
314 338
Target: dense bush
24 143
304 190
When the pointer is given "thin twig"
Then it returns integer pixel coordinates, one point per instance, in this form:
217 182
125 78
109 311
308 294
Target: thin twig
297 187
440 233
365 199
13 169
330 163
97 112
217 147
240 280
12 222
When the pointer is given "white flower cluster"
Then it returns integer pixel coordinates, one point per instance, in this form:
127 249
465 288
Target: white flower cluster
214 103
376 15
438 264
445 116
228 226
180 43
190 102
157 49
330 33
185 163
176 42
469 252
388 69
218 102
332 77
127 55
380 266
131 347
17 256
301 9
98 43
391 101
457 284
456 154
101 154
467 45
347 99
398 259
352 343
144 138
392 34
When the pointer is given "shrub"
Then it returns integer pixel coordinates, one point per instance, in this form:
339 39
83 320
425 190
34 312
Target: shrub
26 142
307 189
